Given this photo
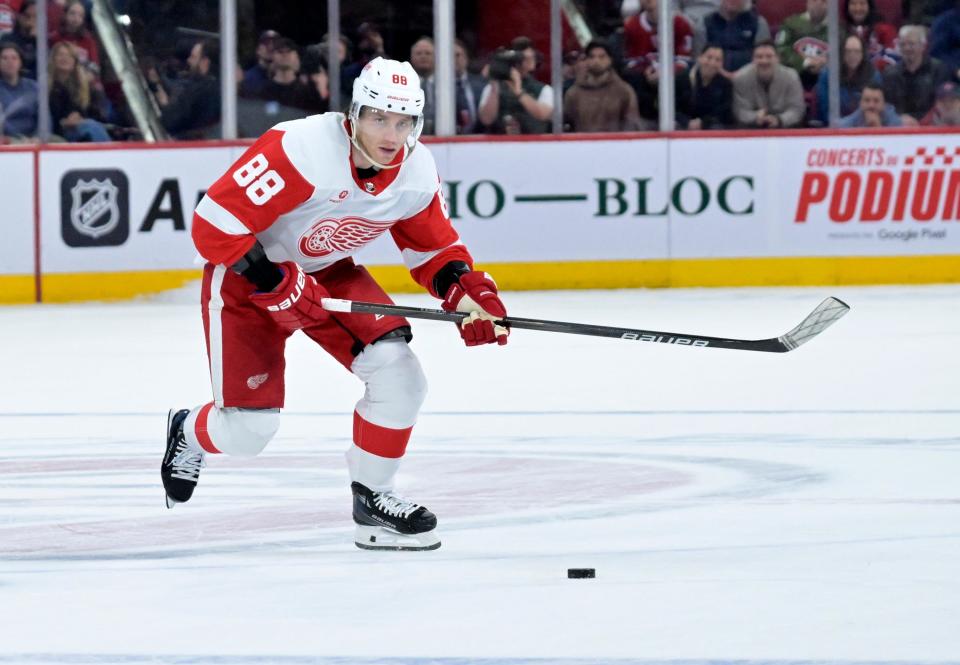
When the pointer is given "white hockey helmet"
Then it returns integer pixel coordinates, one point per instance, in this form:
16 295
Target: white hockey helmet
388 85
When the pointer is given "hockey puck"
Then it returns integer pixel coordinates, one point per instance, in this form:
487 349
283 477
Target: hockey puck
581 573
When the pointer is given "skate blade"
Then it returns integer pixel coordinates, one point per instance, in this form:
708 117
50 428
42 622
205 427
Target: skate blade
171 502
379 538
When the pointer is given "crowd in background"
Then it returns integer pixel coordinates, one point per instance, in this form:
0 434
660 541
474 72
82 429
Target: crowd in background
736 65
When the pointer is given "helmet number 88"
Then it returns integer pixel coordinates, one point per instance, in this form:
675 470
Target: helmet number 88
261 184
399 79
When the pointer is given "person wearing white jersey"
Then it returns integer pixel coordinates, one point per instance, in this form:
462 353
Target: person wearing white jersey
278 231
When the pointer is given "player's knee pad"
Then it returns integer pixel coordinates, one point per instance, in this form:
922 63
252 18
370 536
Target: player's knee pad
395 384
249 430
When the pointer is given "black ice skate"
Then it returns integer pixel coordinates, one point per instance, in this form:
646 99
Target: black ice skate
386 521
181 466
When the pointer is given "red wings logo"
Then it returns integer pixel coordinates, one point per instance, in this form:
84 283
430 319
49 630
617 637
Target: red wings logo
340 235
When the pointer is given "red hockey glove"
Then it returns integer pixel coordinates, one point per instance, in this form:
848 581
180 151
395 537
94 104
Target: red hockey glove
295 303
476 293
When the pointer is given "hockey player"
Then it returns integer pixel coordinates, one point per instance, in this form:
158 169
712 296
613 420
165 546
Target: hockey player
278 231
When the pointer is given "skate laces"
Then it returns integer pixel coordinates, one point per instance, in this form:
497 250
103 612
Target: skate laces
394 505
187 464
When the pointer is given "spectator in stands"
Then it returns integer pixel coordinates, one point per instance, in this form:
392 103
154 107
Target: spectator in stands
911 84
8 16
469 89
735 29
646 85
24 35
76 106
711 93
73 29
863 19
343 52
856 72
693 10
945 39
157 81
873 111
766 94
313 71
640 43
574 64
697 10
255 77
422 61
802 42
600 101
55 11
946 112
193 111
286 86
369 46
924 12
18 97
514 102
422 57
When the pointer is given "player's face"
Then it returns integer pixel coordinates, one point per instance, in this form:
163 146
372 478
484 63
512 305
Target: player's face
383 133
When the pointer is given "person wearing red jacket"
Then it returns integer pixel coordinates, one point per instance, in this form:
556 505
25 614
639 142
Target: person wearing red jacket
279 230
73 29
641 44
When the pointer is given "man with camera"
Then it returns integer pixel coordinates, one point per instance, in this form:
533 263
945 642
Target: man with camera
514 102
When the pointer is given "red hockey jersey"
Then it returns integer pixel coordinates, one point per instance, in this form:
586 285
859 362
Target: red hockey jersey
297 191
641 43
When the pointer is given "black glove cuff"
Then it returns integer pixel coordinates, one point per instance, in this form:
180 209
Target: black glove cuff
258 269
449 275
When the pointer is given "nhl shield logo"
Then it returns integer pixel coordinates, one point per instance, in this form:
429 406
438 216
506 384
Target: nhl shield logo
94 207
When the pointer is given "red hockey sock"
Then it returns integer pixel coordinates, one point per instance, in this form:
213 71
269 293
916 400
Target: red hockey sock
381 441
200 429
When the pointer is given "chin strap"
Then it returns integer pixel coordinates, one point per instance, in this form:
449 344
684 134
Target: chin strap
356 144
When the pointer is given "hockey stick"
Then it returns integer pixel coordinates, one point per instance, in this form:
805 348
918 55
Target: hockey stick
824 315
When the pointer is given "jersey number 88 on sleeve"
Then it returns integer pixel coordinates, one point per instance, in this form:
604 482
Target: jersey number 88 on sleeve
261 185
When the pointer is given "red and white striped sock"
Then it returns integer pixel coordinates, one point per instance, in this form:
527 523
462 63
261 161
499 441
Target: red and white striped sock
375 455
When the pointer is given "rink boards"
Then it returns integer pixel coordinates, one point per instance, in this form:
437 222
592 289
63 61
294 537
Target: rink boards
682 209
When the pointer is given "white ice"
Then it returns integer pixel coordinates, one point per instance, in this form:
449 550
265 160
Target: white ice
737 507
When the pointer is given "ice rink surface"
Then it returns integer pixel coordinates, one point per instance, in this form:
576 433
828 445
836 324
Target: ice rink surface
738 507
